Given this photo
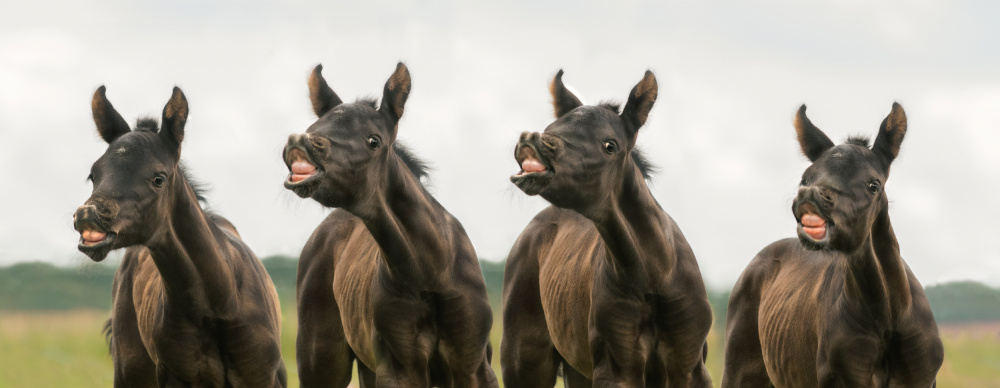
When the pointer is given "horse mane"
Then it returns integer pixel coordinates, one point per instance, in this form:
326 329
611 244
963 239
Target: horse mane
863 141
197 186
417 167
646 167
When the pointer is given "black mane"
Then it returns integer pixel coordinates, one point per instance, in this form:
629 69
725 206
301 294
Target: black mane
417 167
645 166
196 186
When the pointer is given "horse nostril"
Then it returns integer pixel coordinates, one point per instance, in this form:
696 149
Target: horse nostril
548 143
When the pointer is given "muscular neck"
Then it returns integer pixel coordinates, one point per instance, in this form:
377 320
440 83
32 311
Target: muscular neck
877 276
632 226
407 223
194 269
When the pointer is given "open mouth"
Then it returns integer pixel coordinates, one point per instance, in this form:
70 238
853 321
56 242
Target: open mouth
534 175
96 243
812 224
303 173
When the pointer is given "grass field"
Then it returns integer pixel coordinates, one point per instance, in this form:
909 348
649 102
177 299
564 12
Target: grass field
66 349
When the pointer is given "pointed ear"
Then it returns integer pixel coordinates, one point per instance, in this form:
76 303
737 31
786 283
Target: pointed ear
110 124
323 98
890 136
812 140
640 102
175 115
563 100
397 89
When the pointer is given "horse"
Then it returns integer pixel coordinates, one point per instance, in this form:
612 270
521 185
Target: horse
838 306
191 304
390 278
602 283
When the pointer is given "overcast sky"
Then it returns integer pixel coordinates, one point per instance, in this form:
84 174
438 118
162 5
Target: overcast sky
730 74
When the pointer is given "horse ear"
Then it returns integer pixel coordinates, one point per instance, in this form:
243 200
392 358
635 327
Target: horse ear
563 100
640 102
890 135
175 115
322 97
110 124
812 140
397 89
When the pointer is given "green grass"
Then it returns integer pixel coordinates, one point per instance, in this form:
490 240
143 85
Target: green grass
66 349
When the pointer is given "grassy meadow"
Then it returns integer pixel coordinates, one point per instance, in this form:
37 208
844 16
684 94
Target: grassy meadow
66 349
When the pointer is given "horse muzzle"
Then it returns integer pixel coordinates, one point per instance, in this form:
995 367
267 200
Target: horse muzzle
95 238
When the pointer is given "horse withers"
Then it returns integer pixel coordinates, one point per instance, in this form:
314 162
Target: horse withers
603 283
389 279
838 306
191 304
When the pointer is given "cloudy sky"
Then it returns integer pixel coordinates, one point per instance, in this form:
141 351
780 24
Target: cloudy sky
731 75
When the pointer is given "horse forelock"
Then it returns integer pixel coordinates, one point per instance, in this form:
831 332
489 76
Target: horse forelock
147 124
859 140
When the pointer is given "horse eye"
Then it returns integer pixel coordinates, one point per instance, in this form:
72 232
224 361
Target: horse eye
610 147
158 181
90 177
374 142
873 187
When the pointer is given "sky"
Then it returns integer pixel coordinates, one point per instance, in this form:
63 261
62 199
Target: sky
731 74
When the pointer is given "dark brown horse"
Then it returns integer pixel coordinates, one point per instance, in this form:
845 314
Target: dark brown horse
390 278
837 307
603 283
192 305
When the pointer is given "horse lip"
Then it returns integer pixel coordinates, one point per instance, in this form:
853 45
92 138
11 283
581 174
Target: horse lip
519 157
806 207
305 155
303 184
109 239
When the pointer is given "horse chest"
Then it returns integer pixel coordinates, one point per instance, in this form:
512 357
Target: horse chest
787 322
808 341
354 278
566 281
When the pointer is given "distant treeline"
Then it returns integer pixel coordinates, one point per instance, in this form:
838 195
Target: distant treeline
42 286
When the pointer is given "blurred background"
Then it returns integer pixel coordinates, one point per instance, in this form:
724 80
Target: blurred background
731 74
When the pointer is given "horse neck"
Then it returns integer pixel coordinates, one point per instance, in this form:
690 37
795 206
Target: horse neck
632 227
189 257
406 222
877 276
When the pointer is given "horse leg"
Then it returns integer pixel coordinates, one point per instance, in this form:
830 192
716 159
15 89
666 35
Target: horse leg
682 349
573 379
744 363
281 377
132 365
366 376
323 354
527 356
406 340
464 320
